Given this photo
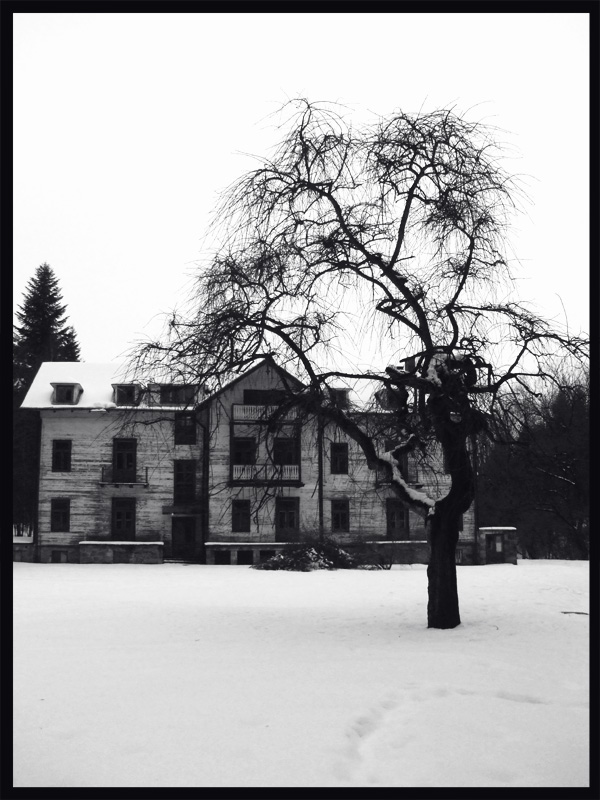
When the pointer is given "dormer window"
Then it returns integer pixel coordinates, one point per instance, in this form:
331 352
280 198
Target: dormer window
66 394
177 395
340 397
126 394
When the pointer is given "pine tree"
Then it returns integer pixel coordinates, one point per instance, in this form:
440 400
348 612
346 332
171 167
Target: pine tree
42 335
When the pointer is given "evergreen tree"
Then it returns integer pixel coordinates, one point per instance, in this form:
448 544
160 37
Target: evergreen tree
42 335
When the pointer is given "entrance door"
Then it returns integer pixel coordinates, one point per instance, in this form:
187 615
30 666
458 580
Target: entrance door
287 519
183 538
494 547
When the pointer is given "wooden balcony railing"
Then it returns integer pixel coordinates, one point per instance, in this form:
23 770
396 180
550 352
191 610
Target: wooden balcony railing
252 413
113 477
266 472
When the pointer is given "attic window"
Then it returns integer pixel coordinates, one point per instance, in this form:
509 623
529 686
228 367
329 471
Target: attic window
125 394
66 394
340 397
173 395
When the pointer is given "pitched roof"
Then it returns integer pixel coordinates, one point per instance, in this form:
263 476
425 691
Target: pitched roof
266 361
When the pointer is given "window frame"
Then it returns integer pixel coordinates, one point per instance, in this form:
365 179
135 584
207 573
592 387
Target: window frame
60 510
286 451
393 505
339 461
251 454
241 520
177 394
185 433
122 448
62 456
185 480
130 387
340 516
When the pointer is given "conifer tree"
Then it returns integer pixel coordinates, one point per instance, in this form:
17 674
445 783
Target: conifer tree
42 335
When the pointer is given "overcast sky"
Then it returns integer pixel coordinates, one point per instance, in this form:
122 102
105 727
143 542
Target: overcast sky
127 126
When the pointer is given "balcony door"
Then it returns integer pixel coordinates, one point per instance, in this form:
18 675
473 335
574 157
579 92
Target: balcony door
287 519
124 460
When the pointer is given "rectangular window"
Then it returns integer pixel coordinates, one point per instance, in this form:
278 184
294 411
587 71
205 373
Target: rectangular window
123 519
64 393
243 450
286 451
287 518
240 516
339 458
340 397
61 455
172 395
124 460
185 427
391 444
263 397
396 520
184 481
125 394
340 515
60 515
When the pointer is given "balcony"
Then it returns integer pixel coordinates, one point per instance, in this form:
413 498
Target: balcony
265 473
255 413
120 477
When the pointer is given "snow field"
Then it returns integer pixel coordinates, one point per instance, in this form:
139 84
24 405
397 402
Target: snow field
174 675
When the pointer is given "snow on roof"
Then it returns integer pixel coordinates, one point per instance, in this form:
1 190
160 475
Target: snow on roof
95 379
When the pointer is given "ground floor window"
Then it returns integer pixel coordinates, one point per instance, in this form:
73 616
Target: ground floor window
60 515
240 516
396 520
287 518
340 515
123 519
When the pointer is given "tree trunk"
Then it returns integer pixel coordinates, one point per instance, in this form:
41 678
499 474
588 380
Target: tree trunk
442 608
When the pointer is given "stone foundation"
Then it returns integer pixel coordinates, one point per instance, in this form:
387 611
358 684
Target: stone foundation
121 552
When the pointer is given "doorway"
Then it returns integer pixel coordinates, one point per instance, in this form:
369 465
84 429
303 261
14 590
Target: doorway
287 519
183 538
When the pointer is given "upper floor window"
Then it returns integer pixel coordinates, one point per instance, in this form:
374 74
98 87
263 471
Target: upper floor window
66 394
286 450
391 444
340 397
339 458
126 394
61 455
177 395
185 427
184 481
124 460
243 450
263 397
60 515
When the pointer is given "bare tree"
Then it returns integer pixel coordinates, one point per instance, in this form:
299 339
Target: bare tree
403 222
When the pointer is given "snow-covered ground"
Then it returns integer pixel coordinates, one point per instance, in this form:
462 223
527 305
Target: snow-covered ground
173 675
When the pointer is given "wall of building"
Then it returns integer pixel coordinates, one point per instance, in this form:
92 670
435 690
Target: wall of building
92 435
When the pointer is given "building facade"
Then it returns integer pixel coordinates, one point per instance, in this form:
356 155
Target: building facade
142 473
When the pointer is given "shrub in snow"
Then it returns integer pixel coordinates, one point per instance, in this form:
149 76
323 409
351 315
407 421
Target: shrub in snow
316 554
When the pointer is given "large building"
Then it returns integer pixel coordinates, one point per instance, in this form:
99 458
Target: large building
133 472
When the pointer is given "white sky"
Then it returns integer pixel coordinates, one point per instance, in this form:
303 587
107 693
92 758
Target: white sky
126 126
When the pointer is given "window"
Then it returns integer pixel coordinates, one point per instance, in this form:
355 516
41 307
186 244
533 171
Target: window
339 458
184 481
286 451
61 455
396 520
263 397
287 518
124 460
240 516
125 394
391 444
243 450
340 515
172 395
64 393
60 515
340 397
123 519
185 427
